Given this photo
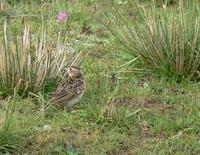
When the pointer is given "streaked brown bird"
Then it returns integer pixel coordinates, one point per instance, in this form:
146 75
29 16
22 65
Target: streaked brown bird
71 89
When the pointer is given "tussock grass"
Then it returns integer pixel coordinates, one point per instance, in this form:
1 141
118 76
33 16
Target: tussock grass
29 61
9 138
164 40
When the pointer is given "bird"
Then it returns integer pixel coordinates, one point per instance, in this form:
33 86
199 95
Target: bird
71 89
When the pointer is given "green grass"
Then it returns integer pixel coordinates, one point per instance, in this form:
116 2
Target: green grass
125 110
156 119
165 40
9 138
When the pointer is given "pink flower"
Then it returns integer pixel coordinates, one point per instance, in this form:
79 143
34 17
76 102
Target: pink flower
62 17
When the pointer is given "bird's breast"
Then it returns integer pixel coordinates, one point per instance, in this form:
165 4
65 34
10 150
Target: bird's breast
74 100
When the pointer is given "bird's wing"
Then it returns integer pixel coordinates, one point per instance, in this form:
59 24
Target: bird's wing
67 90
64 92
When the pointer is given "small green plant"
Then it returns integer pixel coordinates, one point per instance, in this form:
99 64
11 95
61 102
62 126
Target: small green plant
30 61
9 139
70 150
164 40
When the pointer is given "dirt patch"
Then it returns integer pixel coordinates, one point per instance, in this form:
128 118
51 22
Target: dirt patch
126 101
154 104
150 103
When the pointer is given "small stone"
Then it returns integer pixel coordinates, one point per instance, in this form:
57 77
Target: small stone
47 128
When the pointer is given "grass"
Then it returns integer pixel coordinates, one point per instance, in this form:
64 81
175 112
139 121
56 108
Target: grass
156 119
28 62
125 110
164 40
9 139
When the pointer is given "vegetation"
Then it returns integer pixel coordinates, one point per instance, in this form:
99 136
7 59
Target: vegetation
164 40
9 139
141 64
27 63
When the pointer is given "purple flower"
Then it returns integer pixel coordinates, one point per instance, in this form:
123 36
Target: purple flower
62 17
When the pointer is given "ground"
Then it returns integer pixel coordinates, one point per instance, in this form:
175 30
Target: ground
125 110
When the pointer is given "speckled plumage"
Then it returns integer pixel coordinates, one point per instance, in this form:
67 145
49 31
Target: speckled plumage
69 91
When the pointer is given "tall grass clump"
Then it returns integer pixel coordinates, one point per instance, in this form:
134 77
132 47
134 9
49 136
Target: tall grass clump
9 138
30 60
166 40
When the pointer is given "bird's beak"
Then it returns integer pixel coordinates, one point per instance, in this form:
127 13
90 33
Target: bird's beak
67 70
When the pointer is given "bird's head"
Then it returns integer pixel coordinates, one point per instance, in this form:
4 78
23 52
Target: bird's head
74 72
